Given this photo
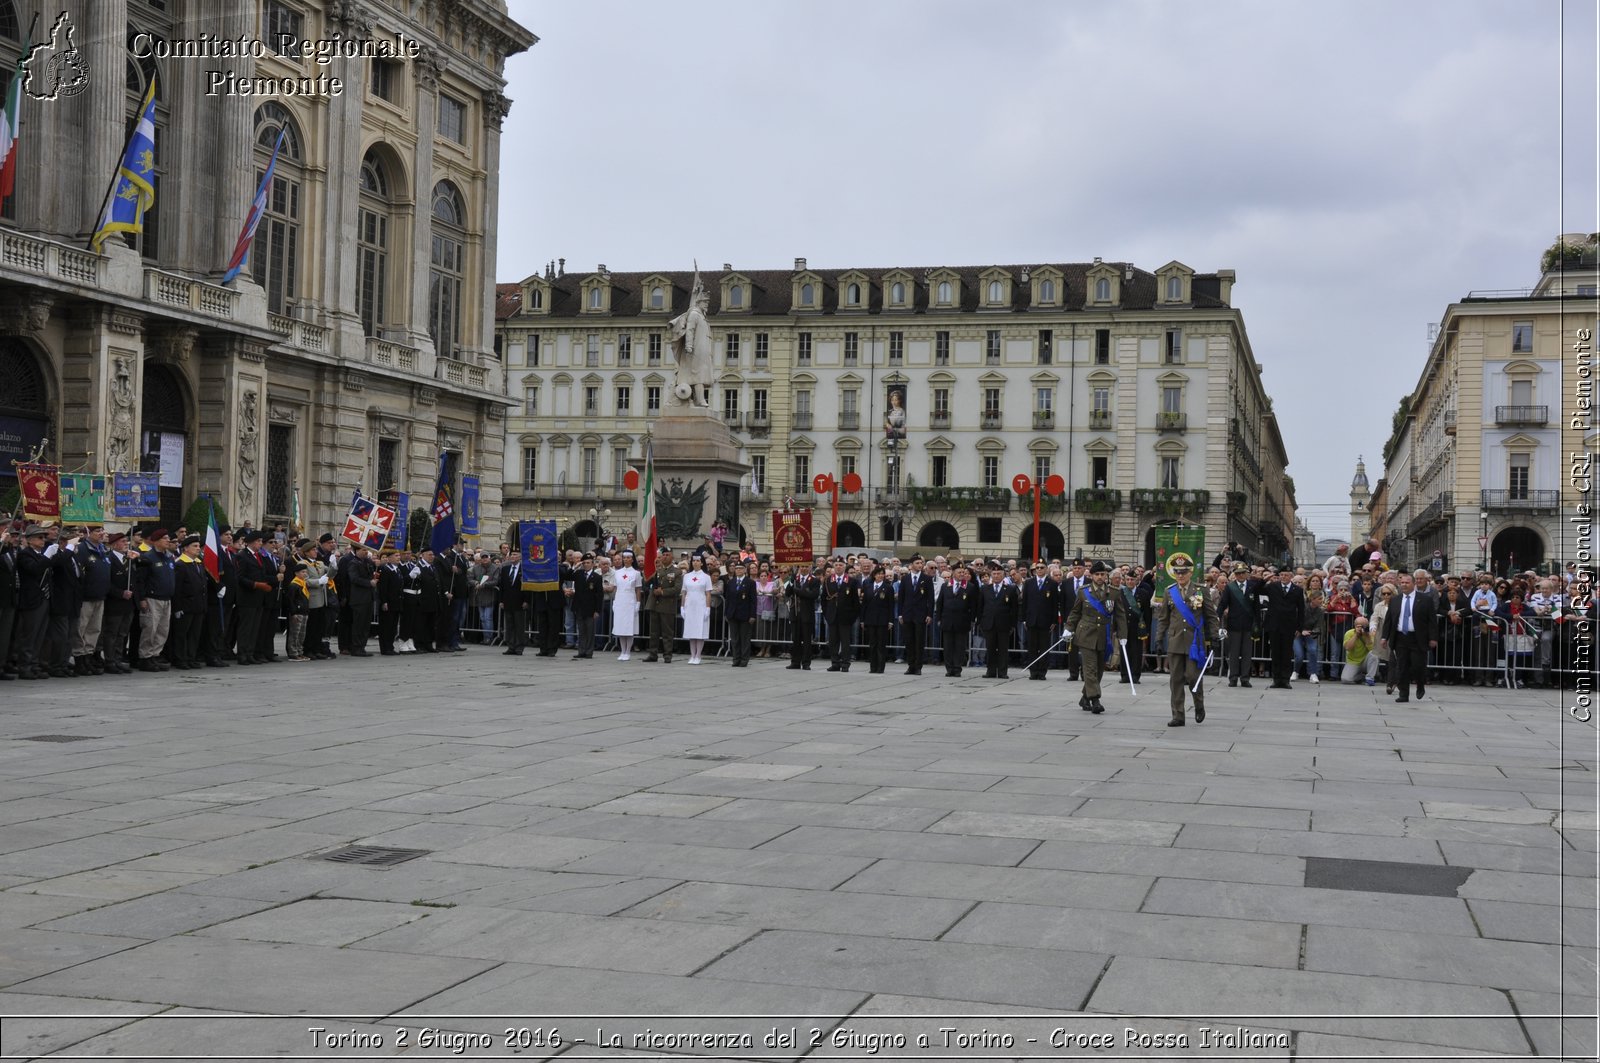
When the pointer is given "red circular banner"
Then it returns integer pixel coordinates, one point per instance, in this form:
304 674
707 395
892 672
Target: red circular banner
630 479
1054 485
852 483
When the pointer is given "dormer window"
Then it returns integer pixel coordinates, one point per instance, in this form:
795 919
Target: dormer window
1174 289
536 299
997 291
1047 291
1102 290
808 295
736 297
852 294
944 292
658 298
897 293
594 298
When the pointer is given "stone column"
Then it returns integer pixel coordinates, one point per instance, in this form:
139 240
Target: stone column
233 125
339 248
427 67
95 145
496 105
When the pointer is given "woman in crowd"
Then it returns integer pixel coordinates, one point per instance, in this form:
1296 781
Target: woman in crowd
1380 614
766 610
1454 630
696 608
1308 640
1342 612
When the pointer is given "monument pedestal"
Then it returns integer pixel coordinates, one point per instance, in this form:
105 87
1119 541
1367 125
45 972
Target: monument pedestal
698 476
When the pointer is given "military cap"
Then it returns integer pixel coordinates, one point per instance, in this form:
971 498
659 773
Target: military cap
189 540
252 535
1099 566
224 530
301 544
33 530
326 537
116 537
1182 565
1240 566
158 534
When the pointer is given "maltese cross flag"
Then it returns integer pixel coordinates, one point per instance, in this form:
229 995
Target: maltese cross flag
368 523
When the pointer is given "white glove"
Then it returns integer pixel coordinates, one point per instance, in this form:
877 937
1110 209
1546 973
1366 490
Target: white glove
222 592
50 551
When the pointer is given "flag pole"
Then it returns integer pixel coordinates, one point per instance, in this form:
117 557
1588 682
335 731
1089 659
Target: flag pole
116 174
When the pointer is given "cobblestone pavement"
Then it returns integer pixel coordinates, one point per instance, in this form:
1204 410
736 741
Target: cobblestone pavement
840 864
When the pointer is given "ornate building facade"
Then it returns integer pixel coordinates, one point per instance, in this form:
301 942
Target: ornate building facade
936 385
358 344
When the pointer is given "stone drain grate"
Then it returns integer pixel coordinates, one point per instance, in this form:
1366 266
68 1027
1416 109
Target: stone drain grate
373 855
58 738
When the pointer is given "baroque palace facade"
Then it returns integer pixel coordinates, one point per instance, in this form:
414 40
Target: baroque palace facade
357 345
936 385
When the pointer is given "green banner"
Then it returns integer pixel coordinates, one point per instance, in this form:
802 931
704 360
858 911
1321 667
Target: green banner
83 498
1174 541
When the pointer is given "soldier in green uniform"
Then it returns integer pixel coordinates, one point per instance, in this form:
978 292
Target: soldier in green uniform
1189 619
666 587
1099 625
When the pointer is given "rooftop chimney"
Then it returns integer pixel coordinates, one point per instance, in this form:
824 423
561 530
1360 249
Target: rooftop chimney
602 269
727 267
1097 260
799 264
563 272
1225 279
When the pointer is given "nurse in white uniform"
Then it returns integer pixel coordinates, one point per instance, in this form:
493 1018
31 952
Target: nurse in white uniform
696 608
625 606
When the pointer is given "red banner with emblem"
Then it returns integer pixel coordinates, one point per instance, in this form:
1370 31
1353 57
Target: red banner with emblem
791 536
41 491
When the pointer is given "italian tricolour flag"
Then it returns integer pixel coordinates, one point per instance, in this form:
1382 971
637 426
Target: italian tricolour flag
211 552
10 109
647 518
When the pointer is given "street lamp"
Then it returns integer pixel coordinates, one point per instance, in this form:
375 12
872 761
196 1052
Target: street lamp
601 516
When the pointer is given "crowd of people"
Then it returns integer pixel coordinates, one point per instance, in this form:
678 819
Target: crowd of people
88 602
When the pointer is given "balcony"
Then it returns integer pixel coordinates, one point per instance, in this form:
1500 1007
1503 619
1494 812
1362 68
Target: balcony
1169 421
1044 419
1169 500
802 421
379 352
939 419
1433 513
753 494
1100 419
1449 422
1521 501
210 299
990 419
1097 499
732 419
1522 415
1237 500
962 499
758 424
849 421
454 371
890 496
303 335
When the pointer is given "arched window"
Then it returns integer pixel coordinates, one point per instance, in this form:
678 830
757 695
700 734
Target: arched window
658 298
275 255
10 28
1047 291
897 294
944 291
536 299
853 294
372 244
736 297
996 291
1174 289
808 294
594 298
1102 290
446 266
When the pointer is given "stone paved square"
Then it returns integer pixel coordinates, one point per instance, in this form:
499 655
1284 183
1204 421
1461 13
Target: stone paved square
854 855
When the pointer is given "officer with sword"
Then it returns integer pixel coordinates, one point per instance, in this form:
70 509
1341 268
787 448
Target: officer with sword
1190 621
1098 626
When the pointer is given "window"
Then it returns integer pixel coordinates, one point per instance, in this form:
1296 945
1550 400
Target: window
1097 533
1174 350
730 348
944 293
533 350
275 255
1522 393
847 465
1516 478
619 466
803 349
1044 399
1046 346
802 409
1041 468
658 298
1169 471
444 276
1586 291
891 475
941 470
591 468
997 291
897 348
1099 470
1047 291
385 80
530 467
594 298
591 350
653 350
991 403
372 243
1100 401
941 348
452 118
591 400
1171 399
897 293
852 348
625 349
1102 346
802 473
530 401
388 463
852 294
535 298
1174 289
991 470
758 473
989 529
808 294
652 399
941 402
1522 336
850 402
280 21
280 468
991 348
624 400
736 297
762 348
758 403
1102 290
730 404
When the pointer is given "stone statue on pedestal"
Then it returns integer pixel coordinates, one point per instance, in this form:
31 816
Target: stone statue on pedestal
690 336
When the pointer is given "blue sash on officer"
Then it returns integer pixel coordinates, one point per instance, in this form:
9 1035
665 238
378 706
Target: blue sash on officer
1188 615
1090 598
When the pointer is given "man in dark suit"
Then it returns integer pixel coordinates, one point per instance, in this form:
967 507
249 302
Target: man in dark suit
958 605
1238 613
916 612
877 617
802 592
254 589
1286 614
359 588
998 618
390 583
739 605
1409 632
1071 588
1041 609
588 596
841 606
514 600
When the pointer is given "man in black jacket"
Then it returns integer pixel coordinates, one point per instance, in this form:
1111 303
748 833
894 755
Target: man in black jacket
1286 613
958 605
803 592
588 598
1238 613
255 589
66 598
33 603
222 598
361 580
430 600
188 604
389 598
94 583
841 606
997 620
1041 610
120 605
1409 632
514 600
8 597
739 605
877 617
916 613
153 580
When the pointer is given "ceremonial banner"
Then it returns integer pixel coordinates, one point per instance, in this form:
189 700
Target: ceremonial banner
83 498
211 551
469 505
1174 541
400 502
369 523
442 514
135 495
541 558
791 537
41 491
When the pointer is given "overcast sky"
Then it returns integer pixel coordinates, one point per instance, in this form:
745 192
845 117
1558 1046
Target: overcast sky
1360 164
